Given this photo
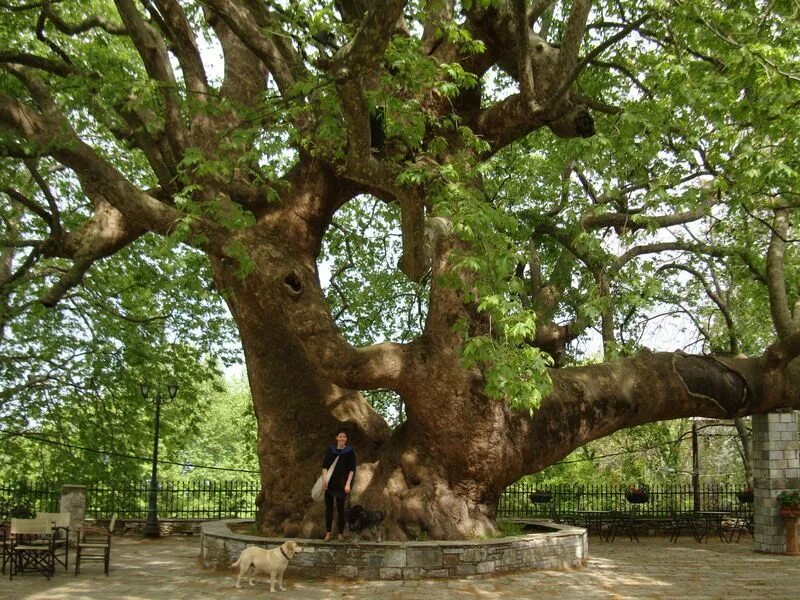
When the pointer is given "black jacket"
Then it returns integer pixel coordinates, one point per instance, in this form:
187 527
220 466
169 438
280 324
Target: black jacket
347 462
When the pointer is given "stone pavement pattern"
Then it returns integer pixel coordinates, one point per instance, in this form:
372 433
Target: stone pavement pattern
169 569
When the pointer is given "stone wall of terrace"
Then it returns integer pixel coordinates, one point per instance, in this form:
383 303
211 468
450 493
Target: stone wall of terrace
554 547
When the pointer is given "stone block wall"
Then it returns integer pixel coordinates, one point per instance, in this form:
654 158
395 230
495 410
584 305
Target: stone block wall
776 467
73 501
560 548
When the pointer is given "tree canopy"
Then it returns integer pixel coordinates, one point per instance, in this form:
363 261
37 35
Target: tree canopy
489 183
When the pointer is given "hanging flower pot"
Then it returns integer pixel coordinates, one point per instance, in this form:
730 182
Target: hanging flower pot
637 496
746 496
540 496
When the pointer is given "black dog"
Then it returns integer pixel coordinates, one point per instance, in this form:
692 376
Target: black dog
359 519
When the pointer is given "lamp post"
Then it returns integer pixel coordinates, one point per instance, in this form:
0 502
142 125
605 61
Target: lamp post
151 528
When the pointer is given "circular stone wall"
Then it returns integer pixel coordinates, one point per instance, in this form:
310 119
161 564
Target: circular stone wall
554 547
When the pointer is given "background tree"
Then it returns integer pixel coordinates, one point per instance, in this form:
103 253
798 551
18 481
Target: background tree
540 161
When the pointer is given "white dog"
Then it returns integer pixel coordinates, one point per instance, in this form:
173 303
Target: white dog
273 561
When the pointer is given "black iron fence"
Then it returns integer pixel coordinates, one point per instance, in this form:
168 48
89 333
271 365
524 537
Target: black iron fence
23 499
661 500
176 499
236 499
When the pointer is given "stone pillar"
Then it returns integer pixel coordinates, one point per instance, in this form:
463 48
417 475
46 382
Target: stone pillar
73 501
776 467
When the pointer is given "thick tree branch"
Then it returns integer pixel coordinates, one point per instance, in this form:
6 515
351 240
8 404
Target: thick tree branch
635 220
505 122
666 246
155 147
523 46
438 13
245 72
41 63
784 351
587 403
55 215
353 68
99 179
776 280
151 48
248 26
103 234
567 79
28 203
15 116
184 45
570 45
365 51
537 9
91 22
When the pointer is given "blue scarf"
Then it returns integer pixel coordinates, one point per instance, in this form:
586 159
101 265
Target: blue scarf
338 452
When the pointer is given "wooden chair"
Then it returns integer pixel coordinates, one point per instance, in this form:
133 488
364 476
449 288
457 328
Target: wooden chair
31 547
94 543
60 524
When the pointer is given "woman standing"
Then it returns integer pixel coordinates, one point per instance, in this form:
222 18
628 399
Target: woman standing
337 480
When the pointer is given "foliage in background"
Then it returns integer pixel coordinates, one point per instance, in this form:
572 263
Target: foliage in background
210 424
656 453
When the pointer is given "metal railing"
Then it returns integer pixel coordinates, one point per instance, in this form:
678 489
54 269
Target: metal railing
176 499
23 499
199 500
236 499
662 499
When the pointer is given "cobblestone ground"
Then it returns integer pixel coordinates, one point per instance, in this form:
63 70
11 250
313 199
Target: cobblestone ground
169 569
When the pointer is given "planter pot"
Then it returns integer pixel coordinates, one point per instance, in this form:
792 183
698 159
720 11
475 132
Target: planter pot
788 512
637 498
790 516
541 497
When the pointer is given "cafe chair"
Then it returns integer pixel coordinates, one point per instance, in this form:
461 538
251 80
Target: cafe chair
60 523
31 547
743 523
624 521
94 543
5 546
681 521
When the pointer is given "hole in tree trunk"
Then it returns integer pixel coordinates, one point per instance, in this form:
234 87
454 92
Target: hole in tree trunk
293 284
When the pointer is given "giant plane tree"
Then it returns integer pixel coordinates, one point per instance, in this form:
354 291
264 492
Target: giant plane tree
429 201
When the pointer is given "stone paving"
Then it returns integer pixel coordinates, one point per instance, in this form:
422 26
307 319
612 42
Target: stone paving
168 569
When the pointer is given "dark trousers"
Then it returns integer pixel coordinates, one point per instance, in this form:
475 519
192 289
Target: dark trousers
329 512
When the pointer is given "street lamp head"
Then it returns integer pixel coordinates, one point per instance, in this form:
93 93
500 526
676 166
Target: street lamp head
172 390
145 389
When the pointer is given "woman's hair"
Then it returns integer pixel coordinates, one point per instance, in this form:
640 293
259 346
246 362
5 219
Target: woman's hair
344 431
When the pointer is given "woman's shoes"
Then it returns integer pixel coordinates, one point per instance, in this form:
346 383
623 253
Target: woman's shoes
328 537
